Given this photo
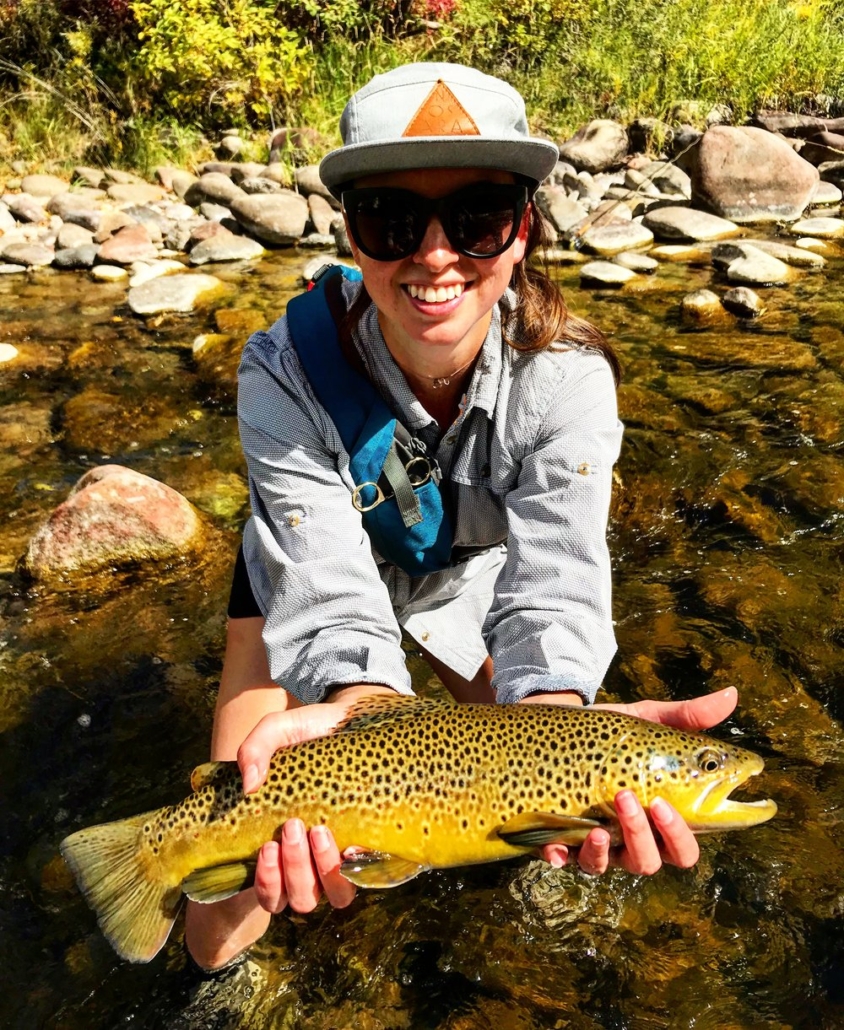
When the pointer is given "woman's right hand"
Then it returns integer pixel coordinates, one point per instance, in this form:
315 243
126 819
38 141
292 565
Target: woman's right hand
299 868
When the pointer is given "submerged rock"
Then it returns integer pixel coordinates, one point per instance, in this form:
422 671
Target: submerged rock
113 516
743 302
181 292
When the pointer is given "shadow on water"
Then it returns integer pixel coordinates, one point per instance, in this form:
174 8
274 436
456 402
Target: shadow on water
728 550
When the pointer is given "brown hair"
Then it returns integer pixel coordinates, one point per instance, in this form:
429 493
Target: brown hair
540 318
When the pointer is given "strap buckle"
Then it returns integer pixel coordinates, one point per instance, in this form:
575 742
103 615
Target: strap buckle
357 500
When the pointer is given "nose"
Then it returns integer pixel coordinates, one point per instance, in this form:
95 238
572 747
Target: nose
435 251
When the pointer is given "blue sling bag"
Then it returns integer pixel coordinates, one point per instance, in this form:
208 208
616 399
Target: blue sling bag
397 481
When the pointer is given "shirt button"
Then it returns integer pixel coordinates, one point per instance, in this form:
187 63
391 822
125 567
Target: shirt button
424 636
293 521
450 439
583 468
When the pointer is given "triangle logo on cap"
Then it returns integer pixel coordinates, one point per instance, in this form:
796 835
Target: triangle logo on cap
441 114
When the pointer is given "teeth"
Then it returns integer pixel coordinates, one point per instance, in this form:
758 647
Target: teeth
438 295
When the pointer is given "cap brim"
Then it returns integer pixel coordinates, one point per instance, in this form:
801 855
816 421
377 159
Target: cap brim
533 158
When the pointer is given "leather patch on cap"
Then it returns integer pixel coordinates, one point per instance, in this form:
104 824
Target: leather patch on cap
441 114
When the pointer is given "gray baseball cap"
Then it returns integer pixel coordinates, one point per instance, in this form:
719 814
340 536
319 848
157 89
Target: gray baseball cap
429 115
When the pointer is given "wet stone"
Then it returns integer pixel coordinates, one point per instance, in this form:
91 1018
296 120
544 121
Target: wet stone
701 305
178 293
615 238
796 256
822 228
744 263
74 258
604 273
685 223
827 193
109 273
225 246
113 516
641 263
743 302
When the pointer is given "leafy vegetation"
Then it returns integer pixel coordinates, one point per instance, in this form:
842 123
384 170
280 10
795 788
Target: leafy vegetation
140 81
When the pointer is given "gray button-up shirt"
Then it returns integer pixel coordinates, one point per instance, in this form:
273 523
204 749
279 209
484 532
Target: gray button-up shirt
528 464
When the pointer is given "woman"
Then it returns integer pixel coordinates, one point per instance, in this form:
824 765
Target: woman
477 356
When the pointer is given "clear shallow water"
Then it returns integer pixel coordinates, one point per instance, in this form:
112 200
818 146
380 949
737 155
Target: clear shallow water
728 544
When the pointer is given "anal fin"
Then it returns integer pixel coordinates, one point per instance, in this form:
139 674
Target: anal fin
218 882
375 869
533 829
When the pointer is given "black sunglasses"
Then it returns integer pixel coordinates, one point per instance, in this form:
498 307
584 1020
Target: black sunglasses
480 221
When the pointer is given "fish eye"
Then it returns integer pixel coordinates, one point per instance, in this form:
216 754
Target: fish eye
709 760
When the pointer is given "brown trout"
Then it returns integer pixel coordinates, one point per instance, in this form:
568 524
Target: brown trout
419 785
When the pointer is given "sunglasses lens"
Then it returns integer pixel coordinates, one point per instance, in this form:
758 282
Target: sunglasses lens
479 221
483 222
384 225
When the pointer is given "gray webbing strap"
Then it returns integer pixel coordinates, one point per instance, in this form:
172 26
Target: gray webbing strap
396 475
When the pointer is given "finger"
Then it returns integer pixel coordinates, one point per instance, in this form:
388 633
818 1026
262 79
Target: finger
698 713
679 844
281 729
594 854
640 853
300 877
269 880
555 854
339 891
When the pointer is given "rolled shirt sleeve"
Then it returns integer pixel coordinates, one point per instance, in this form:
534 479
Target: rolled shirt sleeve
329 618
550 624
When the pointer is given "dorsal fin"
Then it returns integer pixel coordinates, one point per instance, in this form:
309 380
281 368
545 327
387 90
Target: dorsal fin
377 708
207 773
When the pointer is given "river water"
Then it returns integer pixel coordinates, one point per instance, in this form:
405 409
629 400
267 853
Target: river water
728 544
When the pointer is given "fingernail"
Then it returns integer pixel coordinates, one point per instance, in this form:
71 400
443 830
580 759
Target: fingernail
293 831
661 812
557 860
319 838
625 803
601 839
251 779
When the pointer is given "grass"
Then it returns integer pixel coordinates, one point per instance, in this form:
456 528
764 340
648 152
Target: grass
573 60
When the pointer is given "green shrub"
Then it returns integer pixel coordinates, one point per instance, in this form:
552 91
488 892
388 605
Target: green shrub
209 58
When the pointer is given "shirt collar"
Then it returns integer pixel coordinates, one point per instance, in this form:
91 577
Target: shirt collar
389 378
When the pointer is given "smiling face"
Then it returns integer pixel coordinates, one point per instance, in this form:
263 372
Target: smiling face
435 306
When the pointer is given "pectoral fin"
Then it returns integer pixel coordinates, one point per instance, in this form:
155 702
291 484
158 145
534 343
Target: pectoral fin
218 882
375 869
533 829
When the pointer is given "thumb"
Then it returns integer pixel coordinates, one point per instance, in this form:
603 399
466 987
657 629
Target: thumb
281 729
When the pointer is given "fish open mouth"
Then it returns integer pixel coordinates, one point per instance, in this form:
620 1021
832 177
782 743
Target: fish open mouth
717 810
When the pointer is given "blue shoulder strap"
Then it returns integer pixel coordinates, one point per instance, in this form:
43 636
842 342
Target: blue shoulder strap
396 492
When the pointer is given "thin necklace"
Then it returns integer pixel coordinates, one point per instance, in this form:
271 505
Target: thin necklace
438 382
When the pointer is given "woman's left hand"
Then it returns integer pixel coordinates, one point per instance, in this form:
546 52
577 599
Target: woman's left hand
643 852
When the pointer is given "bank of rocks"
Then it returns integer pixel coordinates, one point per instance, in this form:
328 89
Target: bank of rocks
773 189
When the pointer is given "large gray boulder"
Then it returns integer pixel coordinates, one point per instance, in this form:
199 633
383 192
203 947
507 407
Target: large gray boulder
275 218
113 516
597 147
749 176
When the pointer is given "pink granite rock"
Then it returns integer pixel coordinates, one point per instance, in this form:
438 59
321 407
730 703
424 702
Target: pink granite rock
113 516
749 175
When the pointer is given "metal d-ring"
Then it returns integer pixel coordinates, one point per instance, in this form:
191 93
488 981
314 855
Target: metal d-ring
359 505
415 478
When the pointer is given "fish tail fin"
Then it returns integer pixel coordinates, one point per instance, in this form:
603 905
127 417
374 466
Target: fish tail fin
135 911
